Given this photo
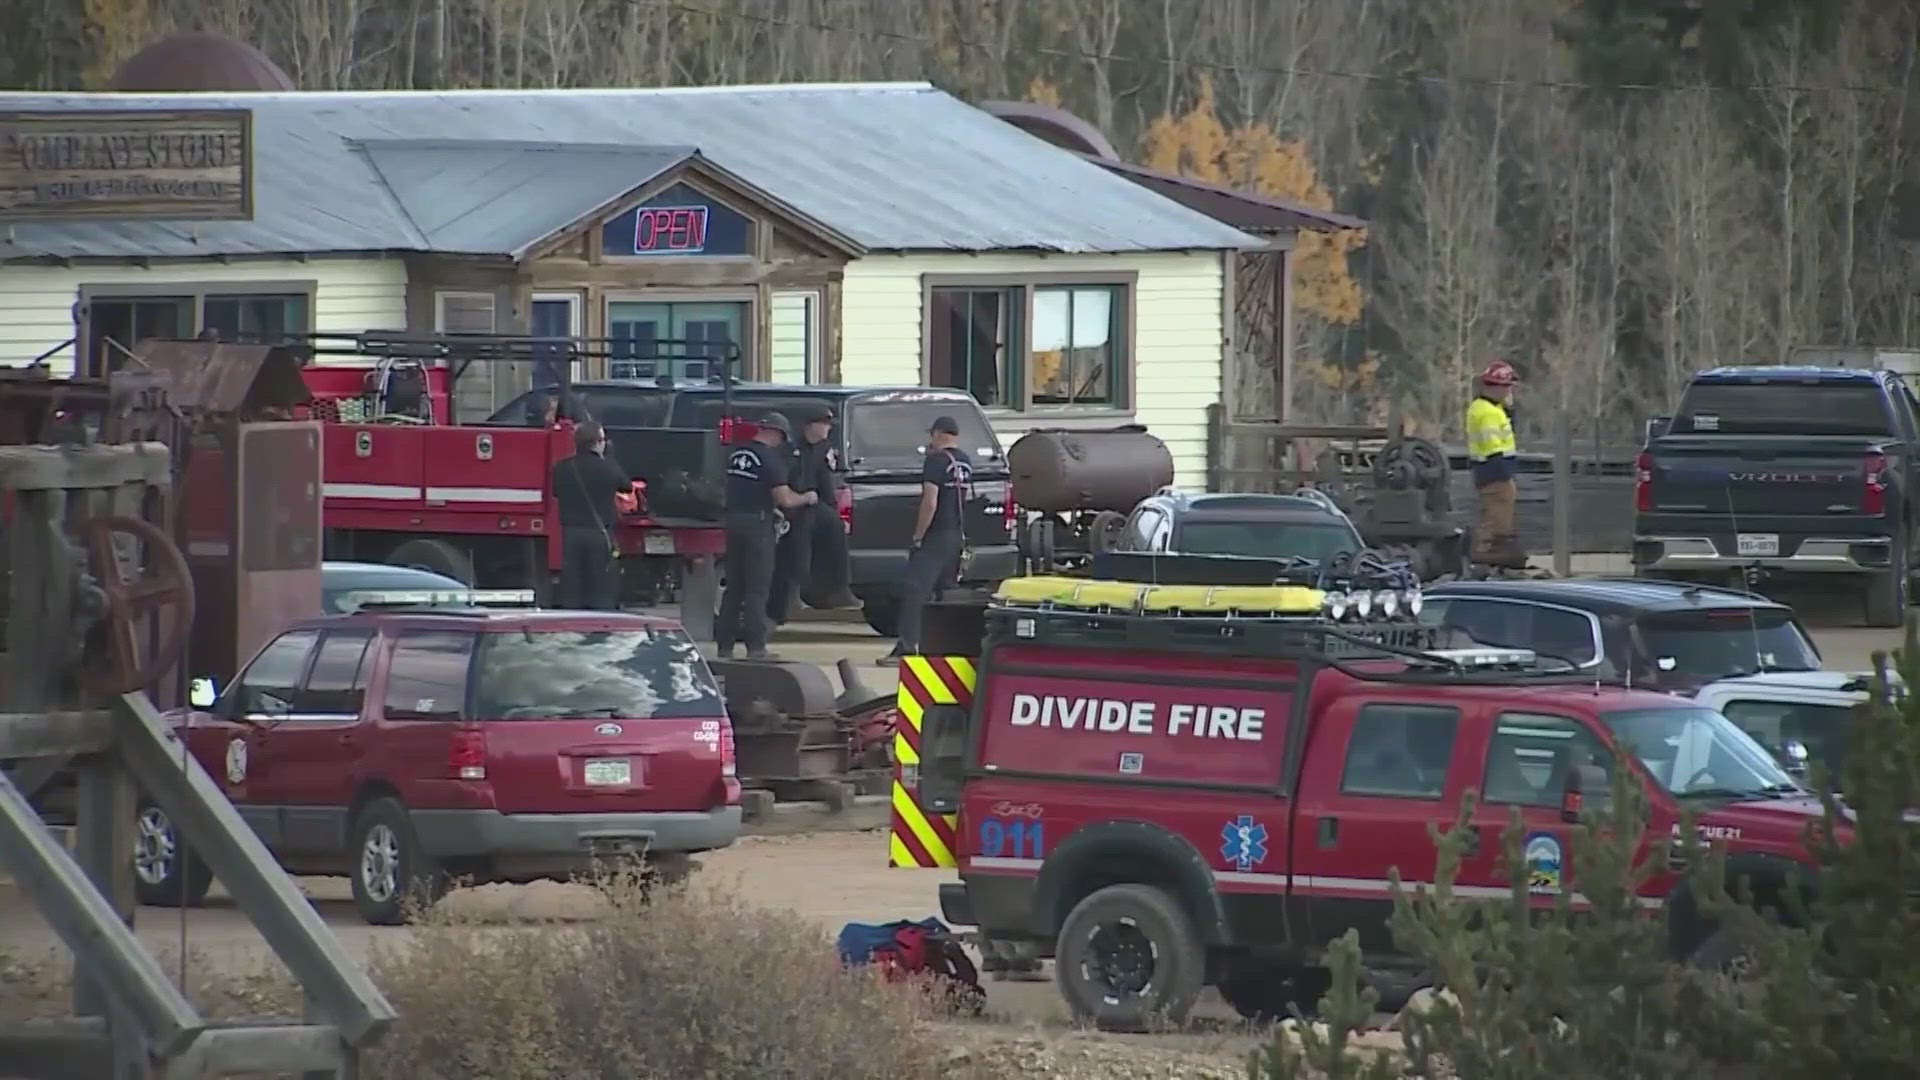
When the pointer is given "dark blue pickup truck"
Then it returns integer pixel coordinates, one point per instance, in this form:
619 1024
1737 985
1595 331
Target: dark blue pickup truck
1785 471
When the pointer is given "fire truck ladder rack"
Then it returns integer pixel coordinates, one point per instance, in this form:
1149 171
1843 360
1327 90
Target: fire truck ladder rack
130 1021
642 358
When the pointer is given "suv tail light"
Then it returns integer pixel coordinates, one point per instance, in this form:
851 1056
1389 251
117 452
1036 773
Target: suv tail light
843 502
729 766
1010 512
1643 482
1874 499
467 755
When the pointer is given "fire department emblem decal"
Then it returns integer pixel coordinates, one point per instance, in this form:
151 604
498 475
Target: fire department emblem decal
1244 843
237 761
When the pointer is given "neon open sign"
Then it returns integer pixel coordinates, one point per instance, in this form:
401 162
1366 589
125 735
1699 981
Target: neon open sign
678 229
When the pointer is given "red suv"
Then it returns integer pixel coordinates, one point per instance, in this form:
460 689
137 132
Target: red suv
1164 802
408 749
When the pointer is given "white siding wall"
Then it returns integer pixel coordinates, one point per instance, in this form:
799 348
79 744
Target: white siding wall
794 314
36 302
1177 347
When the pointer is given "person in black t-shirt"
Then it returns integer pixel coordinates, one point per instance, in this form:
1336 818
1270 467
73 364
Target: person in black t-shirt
584 485
758 494
812 557
933 560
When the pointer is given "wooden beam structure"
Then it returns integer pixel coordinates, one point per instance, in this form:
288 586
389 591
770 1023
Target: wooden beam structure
130 1021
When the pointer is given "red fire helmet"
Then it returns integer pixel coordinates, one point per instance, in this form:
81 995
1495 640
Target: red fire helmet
1499 373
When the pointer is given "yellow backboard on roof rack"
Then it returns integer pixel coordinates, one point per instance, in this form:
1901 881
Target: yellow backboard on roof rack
1067 592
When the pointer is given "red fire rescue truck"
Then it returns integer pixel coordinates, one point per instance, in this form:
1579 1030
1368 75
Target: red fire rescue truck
406 483
1164 787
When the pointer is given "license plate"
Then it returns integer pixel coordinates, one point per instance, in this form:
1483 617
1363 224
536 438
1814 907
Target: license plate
658 543
1758 544
609 772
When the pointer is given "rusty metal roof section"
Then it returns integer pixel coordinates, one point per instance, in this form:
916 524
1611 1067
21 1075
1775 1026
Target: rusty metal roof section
893 167
202 61
1247 210
214 377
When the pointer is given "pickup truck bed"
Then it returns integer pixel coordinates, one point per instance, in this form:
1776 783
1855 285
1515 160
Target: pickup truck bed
1777 472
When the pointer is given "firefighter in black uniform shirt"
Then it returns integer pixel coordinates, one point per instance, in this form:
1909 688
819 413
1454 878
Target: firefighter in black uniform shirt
584 485
933 562
813 554
757 496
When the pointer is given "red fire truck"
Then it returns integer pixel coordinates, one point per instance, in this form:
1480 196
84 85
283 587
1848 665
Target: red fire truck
407 483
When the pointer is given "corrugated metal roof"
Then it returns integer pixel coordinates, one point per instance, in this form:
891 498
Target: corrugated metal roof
900 167
488 198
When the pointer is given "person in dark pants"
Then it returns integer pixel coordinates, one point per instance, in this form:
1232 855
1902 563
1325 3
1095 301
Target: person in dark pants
812 558
758 494
933 560
584 486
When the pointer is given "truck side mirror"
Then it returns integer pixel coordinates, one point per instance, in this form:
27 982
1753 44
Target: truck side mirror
1587 789
1793 757
202 693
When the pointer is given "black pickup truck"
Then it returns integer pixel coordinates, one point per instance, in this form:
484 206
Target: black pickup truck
1782 472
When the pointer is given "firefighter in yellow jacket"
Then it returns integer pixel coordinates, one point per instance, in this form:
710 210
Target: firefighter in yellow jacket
1490 448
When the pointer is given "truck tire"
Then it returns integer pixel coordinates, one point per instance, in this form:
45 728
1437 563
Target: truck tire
436 556
882 612
390 872
1128 957
166 873
1888 591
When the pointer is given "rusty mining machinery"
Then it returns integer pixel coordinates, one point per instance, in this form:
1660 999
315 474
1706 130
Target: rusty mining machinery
100 604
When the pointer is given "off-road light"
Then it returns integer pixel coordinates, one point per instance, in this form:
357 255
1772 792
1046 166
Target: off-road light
1335 605
1388 602
1363 604
1415 602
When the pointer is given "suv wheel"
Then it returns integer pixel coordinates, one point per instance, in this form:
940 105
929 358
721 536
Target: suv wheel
165 872
390 872
1128 956
1887 591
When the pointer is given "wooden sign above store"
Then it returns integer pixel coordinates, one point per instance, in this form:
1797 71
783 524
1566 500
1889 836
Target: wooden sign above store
130 165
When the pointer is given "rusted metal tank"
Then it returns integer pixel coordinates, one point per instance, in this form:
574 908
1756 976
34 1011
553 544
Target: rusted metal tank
1056 470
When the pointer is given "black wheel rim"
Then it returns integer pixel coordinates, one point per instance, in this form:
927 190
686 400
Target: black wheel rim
1120 959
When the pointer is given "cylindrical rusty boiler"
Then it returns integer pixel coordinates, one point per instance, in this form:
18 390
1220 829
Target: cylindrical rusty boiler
1056 470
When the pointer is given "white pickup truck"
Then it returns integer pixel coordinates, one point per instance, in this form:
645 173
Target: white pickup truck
1802 717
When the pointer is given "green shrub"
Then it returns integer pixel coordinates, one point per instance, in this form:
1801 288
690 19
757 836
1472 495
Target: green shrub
1828 989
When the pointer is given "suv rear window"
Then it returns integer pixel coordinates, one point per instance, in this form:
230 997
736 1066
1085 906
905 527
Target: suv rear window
1721 642
891 432
1316 540
628 674
1784 408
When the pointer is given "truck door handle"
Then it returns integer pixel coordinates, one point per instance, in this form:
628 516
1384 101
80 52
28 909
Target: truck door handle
1329 832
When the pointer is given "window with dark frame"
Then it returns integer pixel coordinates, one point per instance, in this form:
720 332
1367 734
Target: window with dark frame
266 317
1075 357
1039 346
973 342
1400 751
116 323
